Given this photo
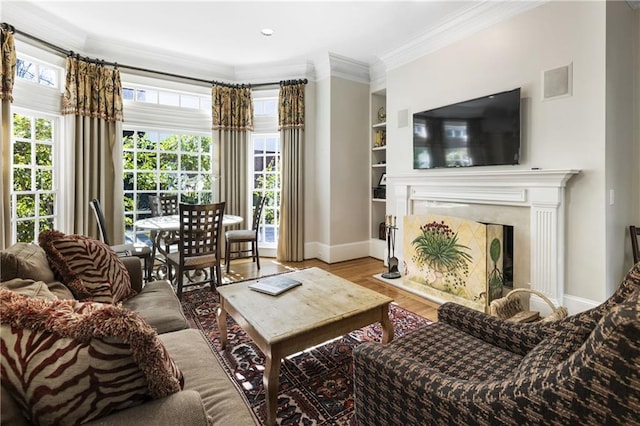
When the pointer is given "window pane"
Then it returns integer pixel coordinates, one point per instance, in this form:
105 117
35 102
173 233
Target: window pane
43 129
188 101
48 77
26 206
25 70
26 231
127 94
168 142
21 153
45 224
149 96
168 98
22 179
46 204
146 181
21 126
270 107
44 156
189 162
169 161
190 143
44 180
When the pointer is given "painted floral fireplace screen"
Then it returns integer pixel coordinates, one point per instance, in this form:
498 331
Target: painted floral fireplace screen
453 259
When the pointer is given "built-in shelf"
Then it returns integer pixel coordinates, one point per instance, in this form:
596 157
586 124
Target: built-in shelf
378 168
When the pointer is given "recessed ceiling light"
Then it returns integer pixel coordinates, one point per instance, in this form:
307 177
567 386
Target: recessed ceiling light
267 32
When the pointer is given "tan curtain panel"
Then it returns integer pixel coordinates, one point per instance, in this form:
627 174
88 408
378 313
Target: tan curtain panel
8 65
291 105
92 104
291 126
92 90
7 75
232 110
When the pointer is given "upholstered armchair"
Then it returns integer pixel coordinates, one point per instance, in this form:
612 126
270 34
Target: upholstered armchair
473 369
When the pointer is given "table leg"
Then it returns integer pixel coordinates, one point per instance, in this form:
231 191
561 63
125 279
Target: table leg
387 326
221 316
271 382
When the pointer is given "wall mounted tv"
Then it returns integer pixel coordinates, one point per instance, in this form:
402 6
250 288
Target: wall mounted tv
479 132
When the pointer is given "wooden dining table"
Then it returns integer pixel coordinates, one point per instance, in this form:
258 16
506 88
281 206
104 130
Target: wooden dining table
161 226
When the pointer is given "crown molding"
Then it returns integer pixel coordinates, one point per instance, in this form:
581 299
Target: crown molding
137 55
333 65
481 16
27 17
275 72
378 74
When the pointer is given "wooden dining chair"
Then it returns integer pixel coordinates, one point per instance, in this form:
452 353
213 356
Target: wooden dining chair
198 247
243 237
165 205
141 251
635 242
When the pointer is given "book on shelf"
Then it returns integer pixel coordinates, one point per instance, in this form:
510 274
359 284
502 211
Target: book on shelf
274 285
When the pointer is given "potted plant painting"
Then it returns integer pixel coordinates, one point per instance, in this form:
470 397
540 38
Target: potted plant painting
444 260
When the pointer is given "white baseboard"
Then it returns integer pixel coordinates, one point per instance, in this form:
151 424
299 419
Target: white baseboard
577 304
574 304
337 253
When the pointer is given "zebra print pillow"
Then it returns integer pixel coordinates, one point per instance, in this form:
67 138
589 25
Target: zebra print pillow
90 269
69 362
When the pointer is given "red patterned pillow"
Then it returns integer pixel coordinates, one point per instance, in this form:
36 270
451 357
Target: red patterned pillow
69 362
90 269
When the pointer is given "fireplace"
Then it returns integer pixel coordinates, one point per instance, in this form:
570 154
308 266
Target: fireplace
531 201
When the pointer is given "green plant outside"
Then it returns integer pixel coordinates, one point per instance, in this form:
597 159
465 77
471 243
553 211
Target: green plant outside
32 176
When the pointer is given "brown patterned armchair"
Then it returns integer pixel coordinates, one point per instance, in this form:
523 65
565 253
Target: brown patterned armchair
473 369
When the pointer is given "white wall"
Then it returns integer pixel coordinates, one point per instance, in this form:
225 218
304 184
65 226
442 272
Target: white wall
340 231
619 140
319 235
349 162
568 132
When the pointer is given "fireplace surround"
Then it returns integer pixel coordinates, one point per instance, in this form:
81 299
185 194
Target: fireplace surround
532 201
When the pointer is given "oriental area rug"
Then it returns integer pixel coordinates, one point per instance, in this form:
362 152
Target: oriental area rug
316 386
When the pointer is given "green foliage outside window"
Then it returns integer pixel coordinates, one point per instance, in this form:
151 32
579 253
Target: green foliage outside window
33 198
165 163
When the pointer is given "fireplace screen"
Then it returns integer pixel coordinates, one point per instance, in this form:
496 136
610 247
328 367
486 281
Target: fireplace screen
454 259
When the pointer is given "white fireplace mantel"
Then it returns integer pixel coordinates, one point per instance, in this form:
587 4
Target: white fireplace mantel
542 191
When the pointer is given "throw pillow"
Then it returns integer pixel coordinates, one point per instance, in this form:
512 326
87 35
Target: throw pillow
90 269
24 260
69 362
29 288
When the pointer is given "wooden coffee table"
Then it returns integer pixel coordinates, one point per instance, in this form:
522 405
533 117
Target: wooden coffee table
323 307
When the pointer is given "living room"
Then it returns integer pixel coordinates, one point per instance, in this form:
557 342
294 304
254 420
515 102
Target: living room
592 131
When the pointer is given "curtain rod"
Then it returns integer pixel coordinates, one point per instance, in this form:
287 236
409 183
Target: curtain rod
64 52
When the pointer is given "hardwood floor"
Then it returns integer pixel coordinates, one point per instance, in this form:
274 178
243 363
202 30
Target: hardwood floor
359 271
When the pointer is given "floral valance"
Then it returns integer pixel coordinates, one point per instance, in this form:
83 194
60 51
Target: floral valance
92 90
232 108
7 65
291 104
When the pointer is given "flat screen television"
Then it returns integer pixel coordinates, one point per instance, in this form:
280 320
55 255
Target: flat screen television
479 132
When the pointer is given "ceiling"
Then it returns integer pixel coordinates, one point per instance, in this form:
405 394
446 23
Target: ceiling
228 32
